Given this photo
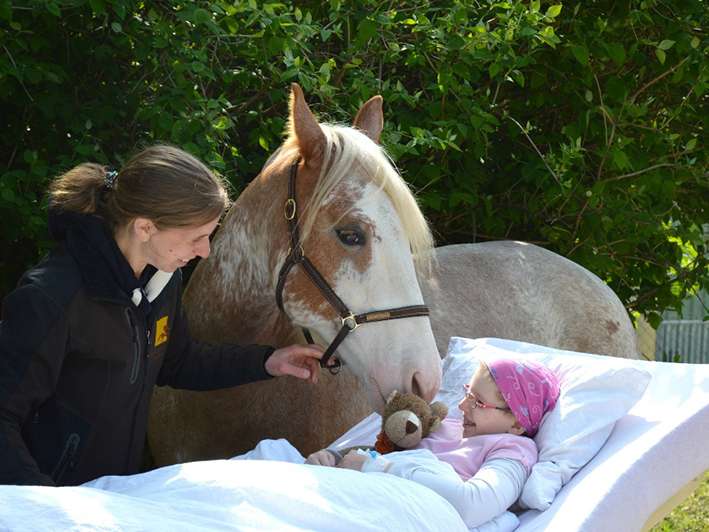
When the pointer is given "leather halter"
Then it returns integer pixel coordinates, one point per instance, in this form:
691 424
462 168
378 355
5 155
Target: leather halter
350 321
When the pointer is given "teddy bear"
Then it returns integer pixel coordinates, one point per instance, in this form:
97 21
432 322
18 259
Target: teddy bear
406 420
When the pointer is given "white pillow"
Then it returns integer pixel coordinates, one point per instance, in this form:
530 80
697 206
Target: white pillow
596 391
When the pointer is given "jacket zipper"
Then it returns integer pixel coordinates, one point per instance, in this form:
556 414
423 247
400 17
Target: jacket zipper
146 346
135 368
70 448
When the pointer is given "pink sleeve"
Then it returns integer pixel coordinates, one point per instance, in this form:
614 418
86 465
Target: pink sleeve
515 447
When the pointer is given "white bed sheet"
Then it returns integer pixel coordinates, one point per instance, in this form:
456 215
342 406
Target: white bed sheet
239 495
653 451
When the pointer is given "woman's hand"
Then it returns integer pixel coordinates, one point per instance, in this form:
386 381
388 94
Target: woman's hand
322 457
300 361
353 460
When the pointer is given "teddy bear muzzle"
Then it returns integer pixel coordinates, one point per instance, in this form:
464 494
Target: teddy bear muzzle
404 429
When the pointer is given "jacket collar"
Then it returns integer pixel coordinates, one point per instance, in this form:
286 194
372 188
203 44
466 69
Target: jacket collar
104 269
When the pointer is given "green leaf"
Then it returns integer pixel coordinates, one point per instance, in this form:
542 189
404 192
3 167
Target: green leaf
666 44
518 77
8 195
120 10
6 10
620 159
494 69
694 43
581 54
661 55
97 6
554 11
222 123
201 16
654 319
367 29
54 9
691 144
263 143
616 52
116 27
198 68
549 37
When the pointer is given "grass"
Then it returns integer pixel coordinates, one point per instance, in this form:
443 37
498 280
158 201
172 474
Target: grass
692 515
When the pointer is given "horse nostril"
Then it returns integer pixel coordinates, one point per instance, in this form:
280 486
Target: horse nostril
422 386
415 386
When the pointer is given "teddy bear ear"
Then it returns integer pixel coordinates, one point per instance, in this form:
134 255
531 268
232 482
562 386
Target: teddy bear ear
439 410
435 424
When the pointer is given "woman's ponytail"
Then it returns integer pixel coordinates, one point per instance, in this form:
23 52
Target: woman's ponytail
79 189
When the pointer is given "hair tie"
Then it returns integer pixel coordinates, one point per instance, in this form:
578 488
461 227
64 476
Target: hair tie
110 179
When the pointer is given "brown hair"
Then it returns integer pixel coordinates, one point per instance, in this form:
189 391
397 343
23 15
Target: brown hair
162 183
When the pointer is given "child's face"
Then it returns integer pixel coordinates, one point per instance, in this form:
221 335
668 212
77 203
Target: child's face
484 410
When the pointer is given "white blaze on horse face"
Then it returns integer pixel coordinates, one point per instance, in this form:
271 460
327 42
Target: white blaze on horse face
389 355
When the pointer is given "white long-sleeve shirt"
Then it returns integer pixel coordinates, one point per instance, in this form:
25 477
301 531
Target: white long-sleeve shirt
481 476
481 498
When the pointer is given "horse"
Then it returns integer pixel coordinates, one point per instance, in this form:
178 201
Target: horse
329 200
519 291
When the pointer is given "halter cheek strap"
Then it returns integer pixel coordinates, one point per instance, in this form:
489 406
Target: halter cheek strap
349 321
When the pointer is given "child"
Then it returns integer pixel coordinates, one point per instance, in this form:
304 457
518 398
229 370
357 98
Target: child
480 463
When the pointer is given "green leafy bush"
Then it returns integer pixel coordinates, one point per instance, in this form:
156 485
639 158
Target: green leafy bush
579 127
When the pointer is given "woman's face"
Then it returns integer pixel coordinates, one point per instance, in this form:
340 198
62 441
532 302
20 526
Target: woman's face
171 248
484 411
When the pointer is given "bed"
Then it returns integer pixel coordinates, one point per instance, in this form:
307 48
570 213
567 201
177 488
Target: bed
650 456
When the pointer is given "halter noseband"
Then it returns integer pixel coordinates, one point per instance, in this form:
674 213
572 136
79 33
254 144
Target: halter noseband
350 321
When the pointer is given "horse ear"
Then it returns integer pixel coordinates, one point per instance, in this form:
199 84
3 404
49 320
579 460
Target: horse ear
304 127
370 118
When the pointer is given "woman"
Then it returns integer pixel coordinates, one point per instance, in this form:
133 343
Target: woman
92 328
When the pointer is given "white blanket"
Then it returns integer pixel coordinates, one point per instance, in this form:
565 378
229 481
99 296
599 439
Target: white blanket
231 495
653 451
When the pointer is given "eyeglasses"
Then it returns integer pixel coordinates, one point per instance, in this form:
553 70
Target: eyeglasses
470 395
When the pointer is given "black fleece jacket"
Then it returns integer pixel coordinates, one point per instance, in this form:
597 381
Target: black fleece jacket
78 360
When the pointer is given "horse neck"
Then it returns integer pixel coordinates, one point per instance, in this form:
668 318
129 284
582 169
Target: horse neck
231 295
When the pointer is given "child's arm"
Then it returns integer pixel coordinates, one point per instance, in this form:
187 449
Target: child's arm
493 489
332 457
323 457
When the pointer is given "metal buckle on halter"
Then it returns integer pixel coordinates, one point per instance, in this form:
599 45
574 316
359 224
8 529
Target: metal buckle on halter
296 254
289 209
350 322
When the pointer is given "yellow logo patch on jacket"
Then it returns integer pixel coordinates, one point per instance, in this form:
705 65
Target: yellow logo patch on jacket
161 331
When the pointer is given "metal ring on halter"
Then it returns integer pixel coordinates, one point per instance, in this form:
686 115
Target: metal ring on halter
350 322
290 204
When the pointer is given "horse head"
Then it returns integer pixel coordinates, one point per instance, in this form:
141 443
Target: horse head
360 228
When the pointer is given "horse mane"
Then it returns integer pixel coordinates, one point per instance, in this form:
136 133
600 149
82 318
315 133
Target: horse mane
346 148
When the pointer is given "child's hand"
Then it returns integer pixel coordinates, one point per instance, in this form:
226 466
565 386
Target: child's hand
353 460
322 457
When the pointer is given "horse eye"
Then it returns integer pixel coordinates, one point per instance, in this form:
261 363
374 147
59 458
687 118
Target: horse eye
350 237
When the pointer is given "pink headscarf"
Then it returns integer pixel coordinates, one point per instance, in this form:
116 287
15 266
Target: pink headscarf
529 388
